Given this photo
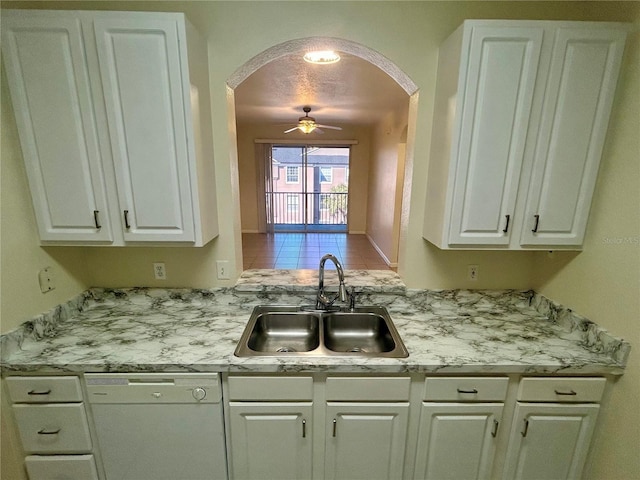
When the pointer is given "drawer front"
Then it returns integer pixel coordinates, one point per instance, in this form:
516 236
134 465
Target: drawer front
368 389
53 428
561 389
69 467
271 388
465 389
44 389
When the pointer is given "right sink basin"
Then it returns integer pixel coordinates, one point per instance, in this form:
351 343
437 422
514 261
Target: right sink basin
300 331
357 333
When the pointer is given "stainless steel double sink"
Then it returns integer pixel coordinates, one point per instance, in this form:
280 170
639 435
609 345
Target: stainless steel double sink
299 331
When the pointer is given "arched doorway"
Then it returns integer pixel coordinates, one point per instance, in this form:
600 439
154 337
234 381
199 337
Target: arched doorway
397 186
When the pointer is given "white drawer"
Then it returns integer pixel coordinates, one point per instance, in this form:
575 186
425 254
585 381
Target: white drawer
465 389
69 467
53 428
368 389
271 388
44 389
561 389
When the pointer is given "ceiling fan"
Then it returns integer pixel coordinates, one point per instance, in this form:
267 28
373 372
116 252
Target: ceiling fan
308 124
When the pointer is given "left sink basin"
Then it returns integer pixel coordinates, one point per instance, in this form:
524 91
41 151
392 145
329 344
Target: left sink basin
284 332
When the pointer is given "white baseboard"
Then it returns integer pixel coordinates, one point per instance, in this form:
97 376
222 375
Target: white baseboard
381 253
251 231
356 232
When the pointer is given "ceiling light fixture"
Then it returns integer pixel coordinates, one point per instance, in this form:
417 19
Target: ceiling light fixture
306 126
321 57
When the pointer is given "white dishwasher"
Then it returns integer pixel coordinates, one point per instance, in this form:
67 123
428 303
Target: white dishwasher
155 426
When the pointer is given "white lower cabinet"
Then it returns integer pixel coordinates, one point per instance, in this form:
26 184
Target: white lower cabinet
271 440
459 423
550 441
53 427
457 441
365 440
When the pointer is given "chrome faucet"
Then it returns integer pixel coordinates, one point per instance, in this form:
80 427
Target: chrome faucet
322 301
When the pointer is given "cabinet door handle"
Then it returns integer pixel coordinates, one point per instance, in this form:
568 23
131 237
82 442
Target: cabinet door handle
535 227
506 227
304 428
35 392
526 428
335 423
570 392
127 225
494 431
96 220
473 391
49 432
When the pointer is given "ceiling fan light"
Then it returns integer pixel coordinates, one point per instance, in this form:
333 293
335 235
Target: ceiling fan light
321 57
307 127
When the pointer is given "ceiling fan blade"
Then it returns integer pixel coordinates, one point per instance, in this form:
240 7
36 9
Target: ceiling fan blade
329 127
318 130
291 130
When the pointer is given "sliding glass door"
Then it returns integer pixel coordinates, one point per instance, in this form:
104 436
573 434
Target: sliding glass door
308 188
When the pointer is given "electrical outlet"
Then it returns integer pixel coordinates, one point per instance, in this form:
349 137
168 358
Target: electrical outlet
46 280
223 269
159 272
472 272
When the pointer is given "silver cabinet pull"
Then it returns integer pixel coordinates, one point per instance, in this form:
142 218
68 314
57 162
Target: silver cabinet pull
304 428
473 390
526 428
35 392
335 423
49 432
127 225
570 392
535 227
506 227
96 220
494 431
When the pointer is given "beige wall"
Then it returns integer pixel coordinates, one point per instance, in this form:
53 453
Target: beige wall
603 282
386 179
358 170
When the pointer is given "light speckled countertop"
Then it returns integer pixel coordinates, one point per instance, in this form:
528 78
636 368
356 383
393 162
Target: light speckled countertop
457 331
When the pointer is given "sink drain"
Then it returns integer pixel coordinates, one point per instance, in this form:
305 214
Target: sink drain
357 350
285 350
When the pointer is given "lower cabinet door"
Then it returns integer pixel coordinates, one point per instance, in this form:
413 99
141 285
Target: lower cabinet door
365 440
457 441
549 441
270 440
61 467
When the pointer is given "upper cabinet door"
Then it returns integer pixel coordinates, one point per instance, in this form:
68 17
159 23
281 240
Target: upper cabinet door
578 96
496 86
142 74
49 83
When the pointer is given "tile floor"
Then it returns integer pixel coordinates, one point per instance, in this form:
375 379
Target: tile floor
300 250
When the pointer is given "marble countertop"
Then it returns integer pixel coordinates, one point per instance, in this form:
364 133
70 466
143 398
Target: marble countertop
456 331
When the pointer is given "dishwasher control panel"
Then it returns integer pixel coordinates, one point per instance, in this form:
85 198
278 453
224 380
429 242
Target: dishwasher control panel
153 388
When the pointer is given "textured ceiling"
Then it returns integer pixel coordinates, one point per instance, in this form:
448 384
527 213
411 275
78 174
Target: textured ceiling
352 91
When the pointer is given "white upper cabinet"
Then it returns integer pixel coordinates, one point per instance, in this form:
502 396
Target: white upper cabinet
51 93
498 92
145 84
579 92
520 117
